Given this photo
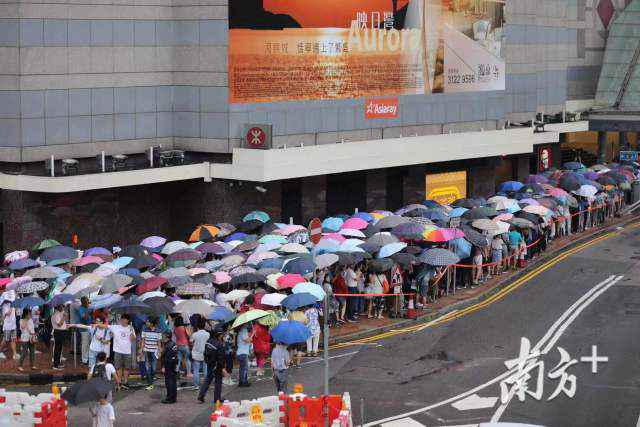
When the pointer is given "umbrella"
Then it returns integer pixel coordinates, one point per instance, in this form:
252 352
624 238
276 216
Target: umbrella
531 189
287 230
538 210
420 220
83 281
404 259
289 280
529 201
22 264
382 239
189 307
27 302
325 260
81 262
345 258
586 191
569 182
355 224
461 247
537 179
466 203
521 223
146 261
236 295
510 186
134 251
186 254
221 314
294 248
57 253
87 391
42 273
247 278
249 316
15 255
221 277
273 238
30 287
204 232
444 235
193 289
273 300
213 248
299 266
485 225
332 224
408 230
295 301
45 244
352 232
174 246
153 242
290 332
114 282
457 212
475 213
161 305
132 307
247 246
250 226
534 218
573 166
13 284
263 217
391 249
152 294
60 299
103 301
241 269
151 284
380 265
310 288
438 257
391 221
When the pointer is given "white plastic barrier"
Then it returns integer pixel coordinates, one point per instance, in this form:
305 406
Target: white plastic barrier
18 409
271 408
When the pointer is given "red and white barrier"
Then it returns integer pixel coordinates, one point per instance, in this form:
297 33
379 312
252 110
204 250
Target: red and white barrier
18 409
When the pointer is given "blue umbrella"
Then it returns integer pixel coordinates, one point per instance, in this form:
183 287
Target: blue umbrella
257 215
102 301
28 302
276 263
457 212
290 332
300 266
58 252
23 263
97 251
365 216
310 288
460 247
327 246
221 314
390 249
60 299
235 236
130 271
434 214
122 261
431 204
573 166
510 186
332 223
294 301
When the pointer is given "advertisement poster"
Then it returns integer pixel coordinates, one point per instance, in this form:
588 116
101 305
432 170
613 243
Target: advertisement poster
446 187
285 50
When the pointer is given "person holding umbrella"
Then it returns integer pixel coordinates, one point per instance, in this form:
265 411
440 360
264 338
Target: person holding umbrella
170 368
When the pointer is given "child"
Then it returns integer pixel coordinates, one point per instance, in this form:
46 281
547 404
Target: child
103 414
106 371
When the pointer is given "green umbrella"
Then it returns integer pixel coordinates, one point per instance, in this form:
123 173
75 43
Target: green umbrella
45 244
249 316
271 320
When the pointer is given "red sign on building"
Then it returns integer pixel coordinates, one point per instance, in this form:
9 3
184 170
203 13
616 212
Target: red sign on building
545 158
315 230
256 138
384 108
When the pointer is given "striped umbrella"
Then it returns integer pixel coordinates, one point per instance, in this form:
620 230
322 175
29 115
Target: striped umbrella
438 257
204 232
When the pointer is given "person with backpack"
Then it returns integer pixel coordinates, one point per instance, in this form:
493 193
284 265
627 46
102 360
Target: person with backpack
106 371
100 338
170 367
214 355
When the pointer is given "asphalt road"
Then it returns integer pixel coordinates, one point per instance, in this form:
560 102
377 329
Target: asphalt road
451 374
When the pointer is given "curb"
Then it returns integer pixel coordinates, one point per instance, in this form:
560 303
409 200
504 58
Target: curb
47 378
488 292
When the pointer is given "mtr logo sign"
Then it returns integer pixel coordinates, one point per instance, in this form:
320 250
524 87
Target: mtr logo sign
386 108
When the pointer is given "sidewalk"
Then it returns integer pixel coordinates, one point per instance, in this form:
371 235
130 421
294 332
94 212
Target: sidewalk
348 332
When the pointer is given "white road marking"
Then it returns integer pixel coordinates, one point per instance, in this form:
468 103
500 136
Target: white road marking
404 422
330 357
566 316
433 322
475 402
465 425
638 423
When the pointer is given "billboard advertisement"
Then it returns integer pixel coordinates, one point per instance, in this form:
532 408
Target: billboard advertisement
284 50
447 187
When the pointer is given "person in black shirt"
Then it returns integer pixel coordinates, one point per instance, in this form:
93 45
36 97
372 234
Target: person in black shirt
170 366
214 356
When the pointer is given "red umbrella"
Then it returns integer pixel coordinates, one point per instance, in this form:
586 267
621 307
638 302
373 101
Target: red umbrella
151 284
289 280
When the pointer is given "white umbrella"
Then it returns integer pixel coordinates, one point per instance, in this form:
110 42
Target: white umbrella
193 306
273 300
536 209
236 295
106 269
152 294
82 282
272 280
325 260
294 248
174 246
352 232
586 191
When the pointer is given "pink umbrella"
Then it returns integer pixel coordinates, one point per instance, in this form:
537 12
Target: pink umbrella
221 277
289 280
333 236
81 262
557 192
530 202
17 282
355 223
289 229
4 282
153 242
444 235
503 217
256 257
15 255
157 257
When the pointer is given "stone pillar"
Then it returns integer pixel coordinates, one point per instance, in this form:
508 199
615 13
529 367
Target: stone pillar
602 146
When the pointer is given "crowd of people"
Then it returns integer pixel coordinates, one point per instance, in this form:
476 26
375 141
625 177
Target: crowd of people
199 312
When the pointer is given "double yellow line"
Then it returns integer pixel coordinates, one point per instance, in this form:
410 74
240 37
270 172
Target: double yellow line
488 301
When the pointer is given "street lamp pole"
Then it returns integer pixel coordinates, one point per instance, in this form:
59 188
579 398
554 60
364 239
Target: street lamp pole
325 346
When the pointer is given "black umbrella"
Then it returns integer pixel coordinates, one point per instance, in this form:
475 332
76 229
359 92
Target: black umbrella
246 278
135 251
536 219
145 261
466 203
380 265
178 281
532 189
58 252
569 182
606 180
370 247
160 305
474 237
87 391
346 258
370 230
300 265
132 307
475 213
404 259
250 226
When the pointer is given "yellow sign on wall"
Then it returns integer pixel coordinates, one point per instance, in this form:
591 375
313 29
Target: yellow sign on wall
446 187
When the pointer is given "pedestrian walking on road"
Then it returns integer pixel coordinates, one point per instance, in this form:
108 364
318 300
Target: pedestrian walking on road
170 368
214 355
150 347
280 361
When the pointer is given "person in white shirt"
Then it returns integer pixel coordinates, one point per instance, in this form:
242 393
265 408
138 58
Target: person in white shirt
59 324
199 340
27 339
9 328
106 371
123 336
103 414
100 340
